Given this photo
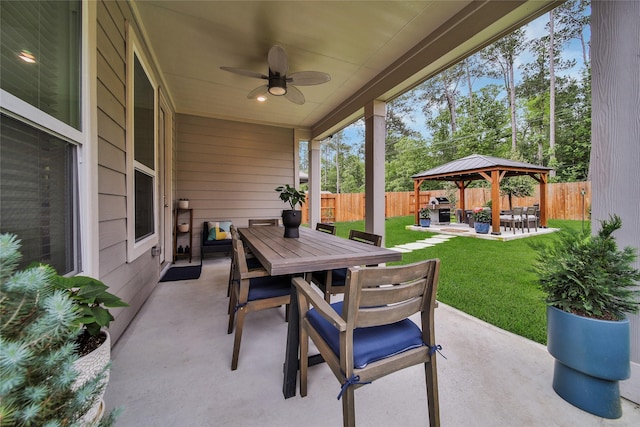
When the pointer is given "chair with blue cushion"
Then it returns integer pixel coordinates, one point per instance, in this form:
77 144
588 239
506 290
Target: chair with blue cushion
369 335
332 282
252 290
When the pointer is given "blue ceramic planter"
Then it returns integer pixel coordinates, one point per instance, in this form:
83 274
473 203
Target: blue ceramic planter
591 357
481 227
425 222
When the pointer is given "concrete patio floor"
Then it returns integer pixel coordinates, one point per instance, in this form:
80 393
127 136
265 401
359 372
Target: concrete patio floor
461 229
171 367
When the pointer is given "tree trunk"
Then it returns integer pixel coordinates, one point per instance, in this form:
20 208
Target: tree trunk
552 97
512 104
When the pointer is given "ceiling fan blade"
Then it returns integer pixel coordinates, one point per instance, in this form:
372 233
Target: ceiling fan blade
308 78
277 59
260 90
246 73
294 95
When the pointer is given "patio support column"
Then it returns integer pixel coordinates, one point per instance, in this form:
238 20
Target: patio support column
314 183
374 152
615 124
495 202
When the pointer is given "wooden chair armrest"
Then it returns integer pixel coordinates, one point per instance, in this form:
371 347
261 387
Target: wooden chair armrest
256 272
319 303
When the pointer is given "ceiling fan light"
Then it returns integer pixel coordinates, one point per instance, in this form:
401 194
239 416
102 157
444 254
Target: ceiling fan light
277 90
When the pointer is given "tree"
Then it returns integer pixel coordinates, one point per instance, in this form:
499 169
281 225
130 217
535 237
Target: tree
517 186
500 57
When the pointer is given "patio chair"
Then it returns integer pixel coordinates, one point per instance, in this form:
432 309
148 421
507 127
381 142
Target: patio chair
530 216
252 261
264 221
333 281
252 290
512 220
369 335
326 228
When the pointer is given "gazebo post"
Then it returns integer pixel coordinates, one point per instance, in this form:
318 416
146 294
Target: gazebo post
461 187
543 200
495 202
416 190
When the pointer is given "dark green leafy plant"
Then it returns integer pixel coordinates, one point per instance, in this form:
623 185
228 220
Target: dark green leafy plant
482 215
588 275
425 213
38 332
91 296
290 195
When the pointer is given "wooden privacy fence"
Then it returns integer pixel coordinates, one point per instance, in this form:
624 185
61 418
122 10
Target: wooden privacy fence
567 200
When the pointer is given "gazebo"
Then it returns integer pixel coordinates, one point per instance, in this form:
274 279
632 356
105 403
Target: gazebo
493 169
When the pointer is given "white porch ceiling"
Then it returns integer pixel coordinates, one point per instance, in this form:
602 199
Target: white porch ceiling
371 49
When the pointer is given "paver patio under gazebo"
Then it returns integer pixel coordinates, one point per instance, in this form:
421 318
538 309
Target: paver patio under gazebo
494 170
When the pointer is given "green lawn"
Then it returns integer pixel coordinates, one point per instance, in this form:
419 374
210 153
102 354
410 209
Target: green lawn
490 280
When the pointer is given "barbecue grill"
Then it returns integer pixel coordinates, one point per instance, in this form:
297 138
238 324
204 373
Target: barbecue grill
440 208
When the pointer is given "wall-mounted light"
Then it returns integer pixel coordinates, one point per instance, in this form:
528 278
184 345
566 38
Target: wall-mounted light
27 56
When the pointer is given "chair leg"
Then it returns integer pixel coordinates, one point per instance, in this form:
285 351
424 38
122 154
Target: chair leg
431 377
233 300
348 408
238 337
304 360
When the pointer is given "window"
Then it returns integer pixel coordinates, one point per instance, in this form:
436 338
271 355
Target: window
40 129
141 152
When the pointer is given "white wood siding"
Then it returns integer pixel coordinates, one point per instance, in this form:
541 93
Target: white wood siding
229 170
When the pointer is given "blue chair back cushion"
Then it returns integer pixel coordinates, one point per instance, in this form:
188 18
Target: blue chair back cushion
338 277
370 344
269 287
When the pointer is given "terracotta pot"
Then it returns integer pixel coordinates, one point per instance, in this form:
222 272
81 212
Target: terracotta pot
183 228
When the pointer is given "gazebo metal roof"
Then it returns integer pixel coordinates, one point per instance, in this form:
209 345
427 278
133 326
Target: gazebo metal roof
469 169
480 167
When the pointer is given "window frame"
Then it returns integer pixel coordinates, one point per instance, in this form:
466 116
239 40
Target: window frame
135 249
83 210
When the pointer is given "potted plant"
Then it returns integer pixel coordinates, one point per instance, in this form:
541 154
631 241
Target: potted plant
39 328
589 284
425 217
93 344
481 220
183 203
291 218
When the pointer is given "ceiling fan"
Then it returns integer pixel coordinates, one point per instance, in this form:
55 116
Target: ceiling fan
278 82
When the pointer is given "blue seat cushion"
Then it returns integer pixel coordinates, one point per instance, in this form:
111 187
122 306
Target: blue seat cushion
253 263
370 344
338 277
269 287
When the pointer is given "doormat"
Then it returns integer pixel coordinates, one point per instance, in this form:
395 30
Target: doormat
182 273
454 230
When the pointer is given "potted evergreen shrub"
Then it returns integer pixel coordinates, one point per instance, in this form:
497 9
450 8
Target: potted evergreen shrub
291 218
481 220
589 284
425 217
39 330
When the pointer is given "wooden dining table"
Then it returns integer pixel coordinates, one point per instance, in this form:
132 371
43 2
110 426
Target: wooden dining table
312 251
